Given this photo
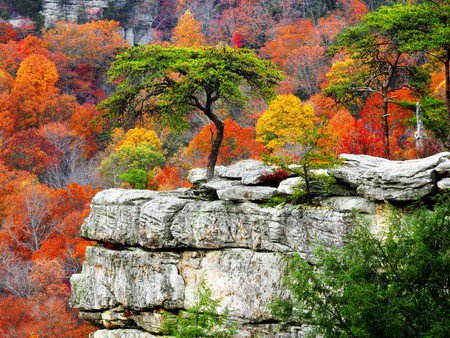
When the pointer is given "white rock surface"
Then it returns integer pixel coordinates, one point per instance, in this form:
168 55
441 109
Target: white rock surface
132 279
247 193
383 180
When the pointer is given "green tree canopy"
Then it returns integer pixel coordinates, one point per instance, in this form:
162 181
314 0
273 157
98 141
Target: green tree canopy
424 27
378 66
172 82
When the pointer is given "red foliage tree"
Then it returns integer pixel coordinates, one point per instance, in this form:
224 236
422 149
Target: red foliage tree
29 151
238 143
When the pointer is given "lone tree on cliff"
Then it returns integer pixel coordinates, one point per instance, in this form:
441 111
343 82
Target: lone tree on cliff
172 82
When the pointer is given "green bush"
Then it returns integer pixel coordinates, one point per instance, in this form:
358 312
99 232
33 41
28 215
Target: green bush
393 284
200 320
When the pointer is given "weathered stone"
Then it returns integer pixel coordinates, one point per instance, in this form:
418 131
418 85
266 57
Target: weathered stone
156 220
349 204
218 184
133 279
122 333
243 168
288 185
381 179
220 224
444 184
115 215
245 281
246 193
198 175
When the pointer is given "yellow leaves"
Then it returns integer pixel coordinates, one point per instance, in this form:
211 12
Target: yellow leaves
285 121
133 138
188 32
136 136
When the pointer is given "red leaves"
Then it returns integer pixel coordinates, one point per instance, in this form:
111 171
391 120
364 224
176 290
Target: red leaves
29 151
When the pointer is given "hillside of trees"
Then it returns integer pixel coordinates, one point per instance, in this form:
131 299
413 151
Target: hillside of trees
356 68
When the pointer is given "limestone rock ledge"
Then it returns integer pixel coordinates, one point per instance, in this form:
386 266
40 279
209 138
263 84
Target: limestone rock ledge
154 247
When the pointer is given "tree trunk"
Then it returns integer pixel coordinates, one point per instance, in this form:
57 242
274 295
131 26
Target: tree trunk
419 135
447 94
215 147
385 124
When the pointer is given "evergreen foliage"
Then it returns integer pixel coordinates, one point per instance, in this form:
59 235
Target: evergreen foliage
390 284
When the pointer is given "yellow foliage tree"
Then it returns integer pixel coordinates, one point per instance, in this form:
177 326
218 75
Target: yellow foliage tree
285 122
138 135
188 32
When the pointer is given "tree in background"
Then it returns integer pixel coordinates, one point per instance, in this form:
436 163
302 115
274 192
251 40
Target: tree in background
133 157
238 144
285 122
188 32
377 67
424 27
390 284
176 81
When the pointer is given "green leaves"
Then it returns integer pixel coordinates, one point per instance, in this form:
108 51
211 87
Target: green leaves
201 319
151 78
393 284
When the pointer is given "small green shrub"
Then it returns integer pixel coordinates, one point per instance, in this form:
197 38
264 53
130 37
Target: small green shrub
200 320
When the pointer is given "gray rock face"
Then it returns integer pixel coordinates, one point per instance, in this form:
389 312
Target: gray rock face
384 180
137 30
164 243
167 221
133 279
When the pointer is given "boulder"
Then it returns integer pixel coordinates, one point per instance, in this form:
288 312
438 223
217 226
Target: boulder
115 215
287 186
123 333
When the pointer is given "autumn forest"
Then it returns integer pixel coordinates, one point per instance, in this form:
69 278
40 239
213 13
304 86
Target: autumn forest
358 72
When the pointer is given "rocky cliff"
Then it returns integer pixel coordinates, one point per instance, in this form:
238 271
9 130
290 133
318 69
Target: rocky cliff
136 16
154 247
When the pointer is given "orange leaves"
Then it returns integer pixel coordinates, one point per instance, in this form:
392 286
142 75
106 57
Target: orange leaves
93 43
34 99
7 32
238 143
188 32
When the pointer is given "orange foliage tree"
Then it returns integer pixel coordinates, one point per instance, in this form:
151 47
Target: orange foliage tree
188 32
89 48
34 98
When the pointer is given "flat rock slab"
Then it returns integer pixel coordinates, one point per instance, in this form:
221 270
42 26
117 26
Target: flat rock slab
384 180
132 279
247 193
123 333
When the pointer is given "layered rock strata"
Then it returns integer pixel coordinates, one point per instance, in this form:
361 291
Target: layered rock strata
154 247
